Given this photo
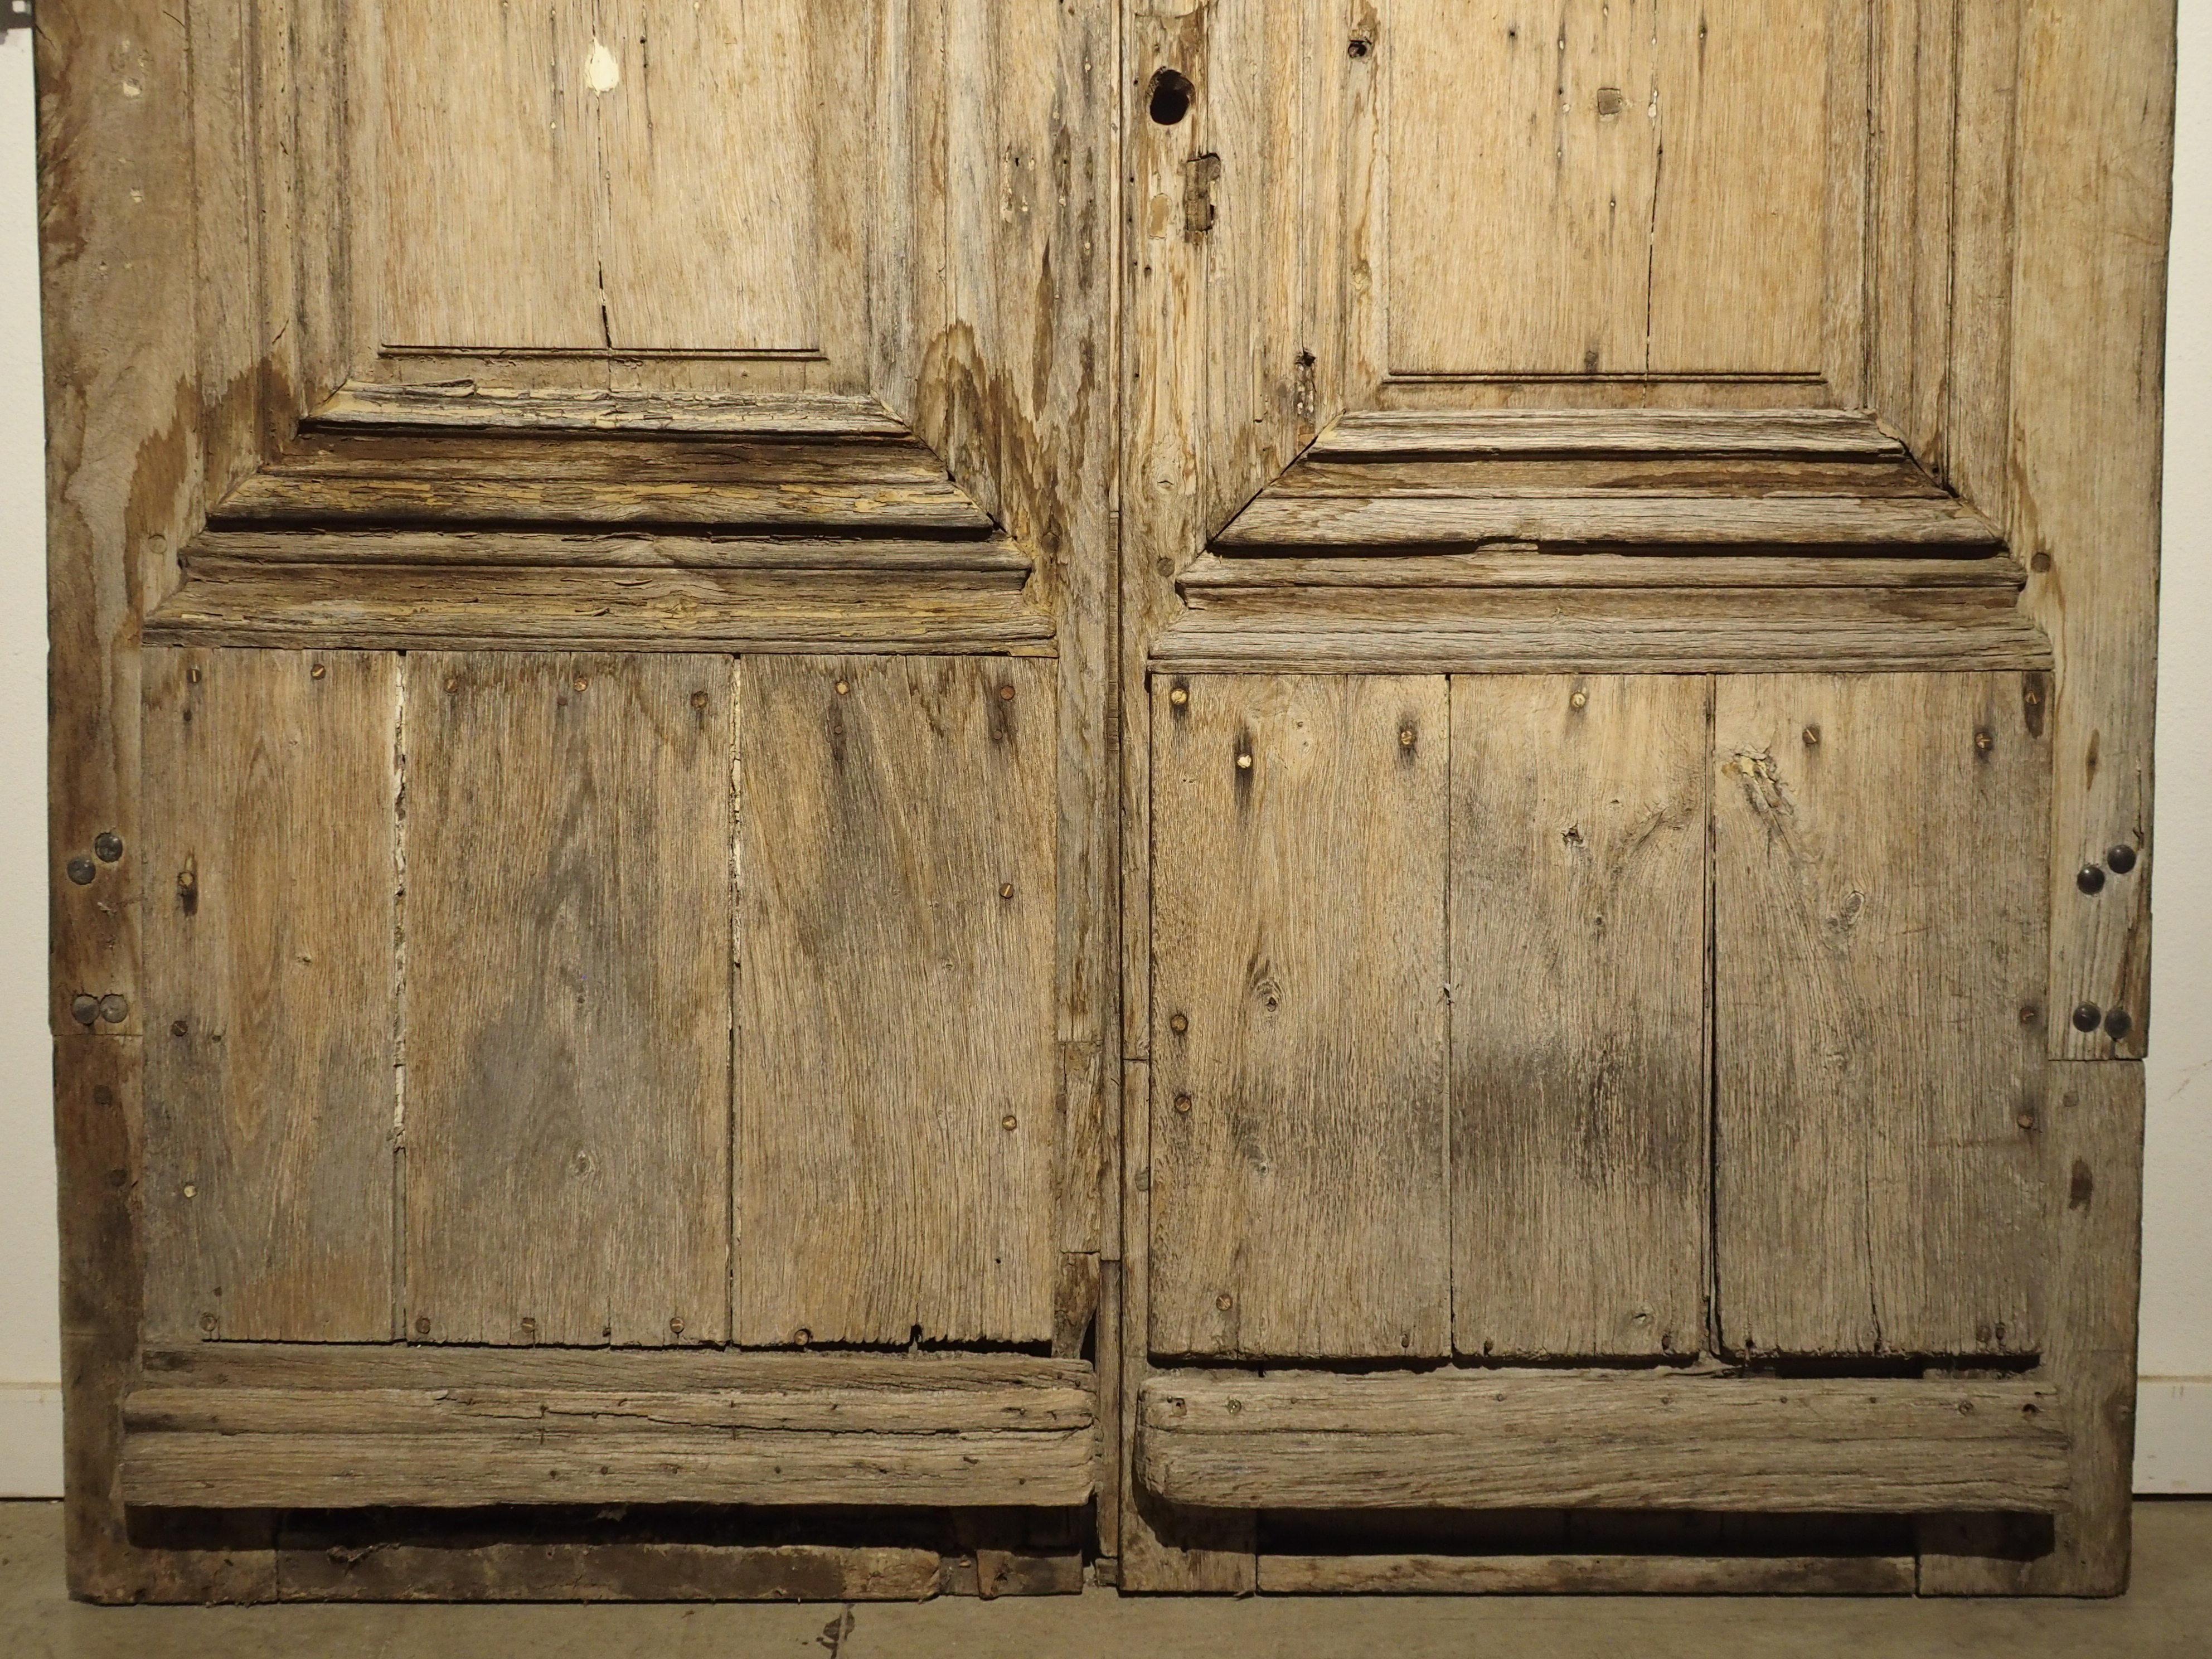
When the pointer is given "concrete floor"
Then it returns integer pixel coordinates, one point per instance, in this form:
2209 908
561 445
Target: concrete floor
2170 1613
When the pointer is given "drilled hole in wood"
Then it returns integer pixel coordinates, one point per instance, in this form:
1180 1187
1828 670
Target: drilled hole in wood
1172 94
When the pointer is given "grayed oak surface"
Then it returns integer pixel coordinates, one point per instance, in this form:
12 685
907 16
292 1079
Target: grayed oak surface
1298 1138
566 969
1878 1017
1487 1440
271 1088
1580 1111
896 1099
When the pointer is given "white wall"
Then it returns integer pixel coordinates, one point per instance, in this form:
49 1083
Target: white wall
30 1314
2174 1429
2176 1437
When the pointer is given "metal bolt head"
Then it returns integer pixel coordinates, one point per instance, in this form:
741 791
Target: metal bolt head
1225 1302
1180 697
84 1009
1006 891
82 871
2118 1023
423 1325
2122 859
2091 880
107 847
178 1028
113 1008
1183 1104
1009 1124
319 672
2087 1017
802 1336
676 1327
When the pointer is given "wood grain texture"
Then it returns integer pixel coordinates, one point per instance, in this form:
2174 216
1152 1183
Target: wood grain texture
1879 1031
343 605
328 1565
1501 1440
468 405
1298 1138
567 1000
2093 1196
2089 347
897 1093
271 1088
1647 189
1585 1575
1580 1204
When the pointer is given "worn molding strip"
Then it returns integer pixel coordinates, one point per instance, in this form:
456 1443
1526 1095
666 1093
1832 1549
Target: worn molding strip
445 1429
1502 1440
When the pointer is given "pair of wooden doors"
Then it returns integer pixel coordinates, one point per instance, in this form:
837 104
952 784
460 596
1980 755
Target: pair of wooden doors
1284 794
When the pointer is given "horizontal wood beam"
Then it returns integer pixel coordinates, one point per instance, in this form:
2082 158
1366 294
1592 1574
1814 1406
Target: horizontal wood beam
1378 434
351 607
1298 1441
469 407
282 1428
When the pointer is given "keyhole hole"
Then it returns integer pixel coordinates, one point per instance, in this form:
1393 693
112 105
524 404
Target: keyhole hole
1171 97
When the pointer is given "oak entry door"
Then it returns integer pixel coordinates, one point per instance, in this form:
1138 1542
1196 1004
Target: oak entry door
855 798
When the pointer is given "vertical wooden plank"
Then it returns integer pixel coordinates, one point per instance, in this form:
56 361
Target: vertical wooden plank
2096 113
1580 1153
1978 417
1738 231
897 1087
1298 1186
270 1089
1523 157
567 998
1914 161
488 176
1878 1020
2094 1197
711 244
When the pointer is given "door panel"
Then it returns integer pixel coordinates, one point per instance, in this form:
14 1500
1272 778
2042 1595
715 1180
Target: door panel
269 1088
1880 949
1579 1102
566 1009
897 1110
1298 1135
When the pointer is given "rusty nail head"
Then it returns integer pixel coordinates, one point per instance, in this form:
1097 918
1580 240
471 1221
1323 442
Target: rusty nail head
192 675
1984 739
2118 1023
2025 1120
2088 1017
2122 859
318 672
1006 694
1183 1104
2091 880
1179 1023
698 699
84 1009
81 871
1405 738
452 685
1180 696
113 1008
208 1321
107 847
1579 700
423 1325
1225 1302
581 682
1811 737
178 1028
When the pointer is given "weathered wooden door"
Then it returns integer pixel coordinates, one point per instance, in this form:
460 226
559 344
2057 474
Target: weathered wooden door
1308 795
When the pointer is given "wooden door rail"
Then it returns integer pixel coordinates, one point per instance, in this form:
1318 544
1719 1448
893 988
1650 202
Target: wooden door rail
1517 1440
276 1426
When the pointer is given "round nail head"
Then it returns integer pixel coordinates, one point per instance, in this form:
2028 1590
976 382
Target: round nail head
2122 859
107 847
1183 1104
2117 1023
2088 1017
1179 698
1243 762
81 871
2091 879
